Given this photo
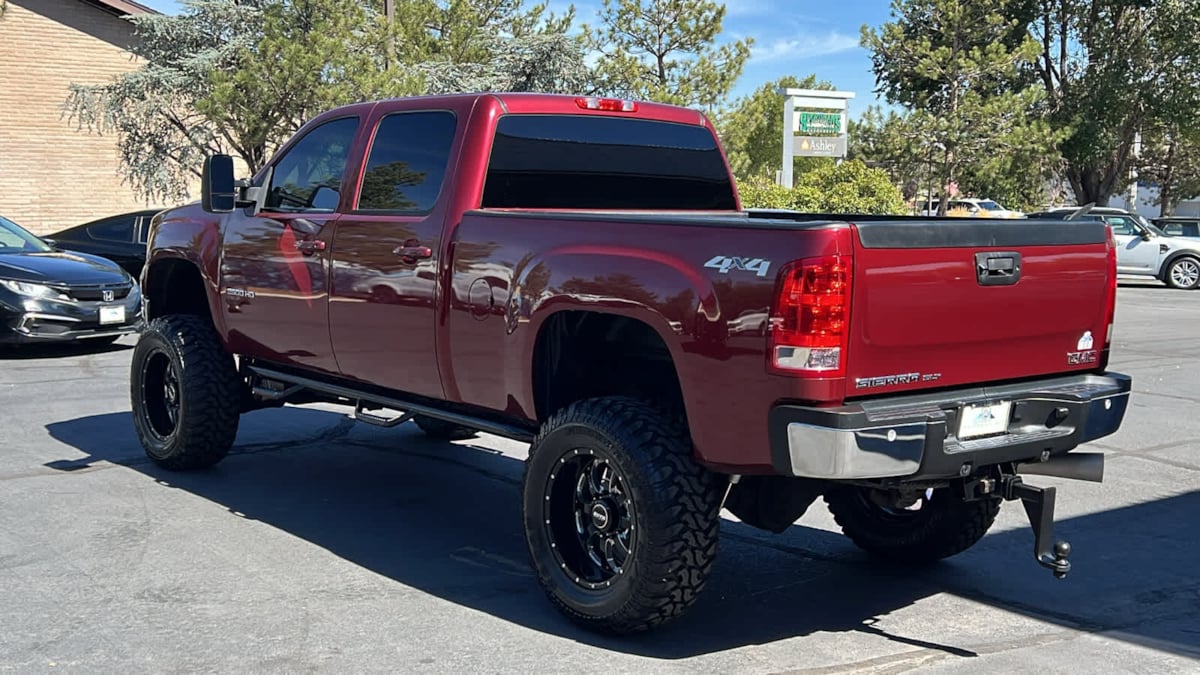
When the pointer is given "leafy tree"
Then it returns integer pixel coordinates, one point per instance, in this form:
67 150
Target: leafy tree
1171 157
240 76
890 142
949 60
849 187
752 130
666 51
309 56
1108 68
161 137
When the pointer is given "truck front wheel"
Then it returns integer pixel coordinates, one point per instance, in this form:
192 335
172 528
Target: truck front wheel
185 393
620 520
938 524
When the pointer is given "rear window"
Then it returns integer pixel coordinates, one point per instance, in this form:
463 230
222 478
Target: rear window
586 162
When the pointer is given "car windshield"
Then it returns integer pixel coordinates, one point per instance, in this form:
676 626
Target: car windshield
990 205
16 239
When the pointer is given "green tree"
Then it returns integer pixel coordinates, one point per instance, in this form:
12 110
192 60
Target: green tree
849 187
309 56
889 142
666 51
949 61
162 138
240 76
752 129
1170 157
1107 69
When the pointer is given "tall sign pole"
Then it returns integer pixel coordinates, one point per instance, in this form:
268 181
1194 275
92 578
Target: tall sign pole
815 124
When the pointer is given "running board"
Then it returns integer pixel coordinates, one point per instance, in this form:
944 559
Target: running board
360 398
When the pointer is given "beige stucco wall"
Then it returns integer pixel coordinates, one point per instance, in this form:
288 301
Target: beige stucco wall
51 175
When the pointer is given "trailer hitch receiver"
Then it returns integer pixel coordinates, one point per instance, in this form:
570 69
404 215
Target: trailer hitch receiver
1039 506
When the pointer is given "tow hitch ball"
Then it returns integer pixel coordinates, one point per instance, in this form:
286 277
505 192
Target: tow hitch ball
1039 506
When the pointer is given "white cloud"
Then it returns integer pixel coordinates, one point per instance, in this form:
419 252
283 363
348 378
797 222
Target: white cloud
804 47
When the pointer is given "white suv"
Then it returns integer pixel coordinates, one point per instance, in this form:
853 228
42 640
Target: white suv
1143 248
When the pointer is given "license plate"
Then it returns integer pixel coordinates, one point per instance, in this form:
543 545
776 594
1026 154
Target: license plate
112 314
983 420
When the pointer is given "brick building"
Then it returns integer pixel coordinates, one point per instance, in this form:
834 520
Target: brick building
51 175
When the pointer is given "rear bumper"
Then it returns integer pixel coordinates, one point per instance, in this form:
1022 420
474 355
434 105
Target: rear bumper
914 437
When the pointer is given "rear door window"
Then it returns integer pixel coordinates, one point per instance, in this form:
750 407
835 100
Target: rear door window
115 229
407 162
596 162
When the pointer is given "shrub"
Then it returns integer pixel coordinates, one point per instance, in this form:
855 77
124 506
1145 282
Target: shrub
849 187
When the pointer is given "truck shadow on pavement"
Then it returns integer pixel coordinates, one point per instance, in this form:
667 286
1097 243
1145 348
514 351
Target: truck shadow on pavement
444 519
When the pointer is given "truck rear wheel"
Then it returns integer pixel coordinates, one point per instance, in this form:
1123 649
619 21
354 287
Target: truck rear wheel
620 520
185 393
937 525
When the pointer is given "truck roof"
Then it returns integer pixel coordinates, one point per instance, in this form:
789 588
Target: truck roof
532 103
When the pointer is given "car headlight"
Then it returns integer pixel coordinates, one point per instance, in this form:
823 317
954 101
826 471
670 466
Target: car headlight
33 290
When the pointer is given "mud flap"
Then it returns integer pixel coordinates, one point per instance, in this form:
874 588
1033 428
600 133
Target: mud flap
771 503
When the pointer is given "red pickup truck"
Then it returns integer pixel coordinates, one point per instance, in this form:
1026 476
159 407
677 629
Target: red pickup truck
578 273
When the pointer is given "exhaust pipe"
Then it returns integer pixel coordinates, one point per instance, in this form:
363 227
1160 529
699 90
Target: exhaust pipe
1087 466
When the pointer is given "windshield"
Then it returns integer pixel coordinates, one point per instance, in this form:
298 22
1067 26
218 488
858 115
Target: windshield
16 239
990 205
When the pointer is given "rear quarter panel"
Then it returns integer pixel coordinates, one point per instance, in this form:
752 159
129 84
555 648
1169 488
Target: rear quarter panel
511 271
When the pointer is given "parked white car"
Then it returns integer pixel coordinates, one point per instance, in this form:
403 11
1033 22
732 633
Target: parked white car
1143 248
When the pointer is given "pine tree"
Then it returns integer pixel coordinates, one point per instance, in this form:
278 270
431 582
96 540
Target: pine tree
666 51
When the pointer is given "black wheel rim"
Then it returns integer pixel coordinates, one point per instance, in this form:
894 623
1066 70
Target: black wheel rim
589 519
160 395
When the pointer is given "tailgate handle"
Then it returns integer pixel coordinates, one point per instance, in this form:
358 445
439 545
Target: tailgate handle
998 268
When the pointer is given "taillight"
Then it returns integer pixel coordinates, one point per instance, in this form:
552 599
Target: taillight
1110 299
810 322
606 104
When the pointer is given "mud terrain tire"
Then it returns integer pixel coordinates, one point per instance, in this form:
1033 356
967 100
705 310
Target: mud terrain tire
620 520
185 393
943 526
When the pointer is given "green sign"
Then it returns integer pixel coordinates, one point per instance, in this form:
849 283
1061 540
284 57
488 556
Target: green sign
818 123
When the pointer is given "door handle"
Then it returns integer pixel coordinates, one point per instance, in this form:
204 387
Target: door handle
411 252
309 246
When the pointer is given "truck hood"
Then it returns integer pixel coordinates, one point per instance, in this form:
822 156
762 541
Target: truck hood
60 267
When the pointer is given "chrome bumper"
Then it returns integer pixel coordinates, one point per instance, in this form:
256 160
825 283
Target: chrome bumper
914 436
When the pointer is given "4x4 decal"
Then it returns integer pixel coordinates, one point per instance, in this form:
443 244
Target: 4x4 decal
724 264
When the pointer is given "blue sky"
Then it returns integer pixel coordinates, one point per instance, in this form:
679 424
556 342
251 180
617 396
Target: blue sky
792 37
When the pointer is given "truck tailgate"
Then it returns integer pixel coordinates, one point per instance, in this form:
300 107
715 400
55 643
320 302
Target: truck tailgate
947 303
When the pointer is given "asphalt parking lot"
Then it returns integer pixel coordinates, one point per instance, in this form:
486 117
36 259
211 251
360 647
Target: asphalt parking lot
324 545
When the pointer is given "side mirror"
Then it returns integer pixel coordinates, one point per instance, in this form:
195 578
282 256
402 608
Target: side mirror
1146 236
325 198
217 191
51 243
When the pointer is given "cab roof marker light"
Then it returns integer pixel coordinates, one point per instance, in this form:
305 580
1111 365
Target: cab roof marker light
606 104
